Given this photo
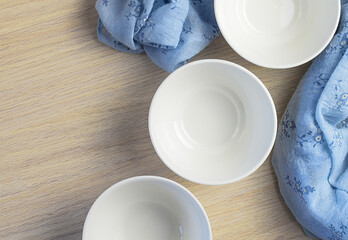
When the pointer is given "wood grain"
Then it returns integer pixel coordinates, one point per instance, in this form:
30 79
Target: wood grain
73 121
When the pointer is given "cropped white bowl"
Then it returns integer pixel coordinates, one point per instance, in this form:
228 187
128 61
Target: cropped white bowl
278 33
212 122
147 208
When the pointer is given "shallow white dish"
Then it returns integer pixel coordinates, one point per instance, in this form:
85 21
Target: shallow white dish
147 208
212 122
278 33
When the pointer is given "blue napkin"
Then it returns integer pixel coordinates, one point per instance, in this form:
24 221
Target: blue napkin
310 155
169 31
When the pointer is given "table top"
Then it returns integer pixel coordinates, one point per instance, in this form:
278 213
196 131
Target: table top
73 121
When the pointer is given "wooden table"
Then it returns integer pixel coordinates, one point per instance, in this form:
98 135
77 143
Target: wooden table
73 121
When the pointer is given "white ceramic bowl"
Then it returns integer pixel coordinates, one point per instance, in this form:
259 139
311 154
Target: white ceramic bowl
212 122
146 208
278 33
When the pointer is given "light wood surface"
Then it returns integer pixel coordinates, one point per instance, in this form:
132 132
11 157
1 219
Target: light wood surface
73 121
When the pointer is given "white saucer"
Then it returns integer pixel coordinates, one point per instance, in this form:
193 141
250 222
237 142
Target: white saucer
146 208
212 122
278 33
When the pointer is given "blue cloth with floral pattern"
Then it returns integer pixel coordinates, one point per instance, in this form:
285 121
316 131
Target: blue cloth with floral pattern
310 155
169 31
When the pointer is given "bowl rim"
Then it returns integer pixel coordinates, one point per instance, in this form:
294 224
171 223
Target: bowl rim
270 101
239 51
144 178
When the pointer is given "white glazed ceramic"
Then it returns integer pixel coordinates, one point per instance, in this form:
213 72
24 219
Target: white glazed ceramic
212 122
146 208
278 33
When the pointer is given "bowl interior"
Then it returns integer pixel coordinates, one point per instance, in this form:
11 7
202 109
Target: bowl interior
147 208
278 33
212 122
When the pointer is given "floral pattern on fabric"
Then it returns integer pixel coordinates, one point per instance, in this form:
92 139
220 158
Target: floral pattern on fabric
313 137
337 233
340 41
297 187
287 126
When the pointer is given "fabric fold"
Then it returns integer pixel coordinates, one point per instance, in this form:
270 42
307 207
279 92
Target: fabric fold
169 31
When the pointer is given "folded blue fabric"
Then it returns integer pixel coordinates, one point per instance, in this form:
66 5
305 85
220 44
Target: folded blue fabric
169 31
310 155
